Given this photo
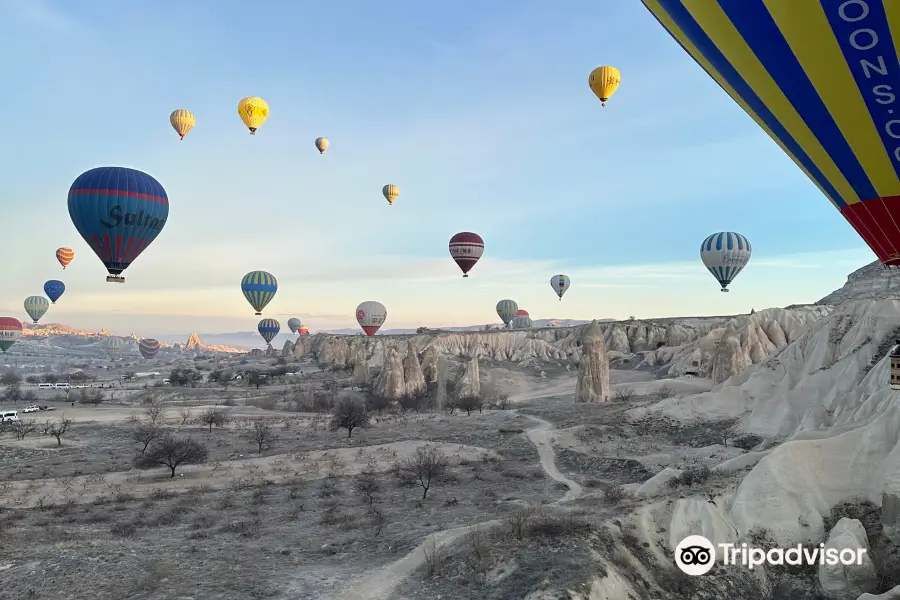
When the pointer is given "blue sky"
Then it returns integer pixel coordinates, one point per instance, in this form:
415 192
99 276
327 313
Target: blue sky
479 112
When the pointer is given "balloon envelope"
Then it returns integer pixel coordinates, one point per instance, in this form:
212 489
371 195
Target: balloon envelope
466 248
506 310
322 145
371 316
10 331
259 288
390 192
114 347
36 306
521 313
560 283
521 322
268 329
294 324
725 254
604 81
148 347
65 256
118 212
182 121
821 78
303 330
54 289
253 112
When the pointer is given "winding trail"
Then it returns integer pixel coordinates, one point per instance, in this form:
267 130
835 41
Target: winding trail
377 584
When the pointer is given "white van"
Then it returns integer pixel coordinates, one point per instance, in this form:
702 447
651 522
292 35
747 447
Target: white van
9 416
45 386
62 386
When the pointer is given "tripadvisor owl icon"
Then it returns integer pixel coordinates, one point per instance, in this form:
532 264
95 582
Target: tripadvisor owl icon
695 555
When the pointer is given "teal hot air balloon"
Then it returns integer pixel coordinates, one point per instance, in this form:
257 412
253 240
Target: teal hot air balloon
506 310
259 288
268 329
54 289
36 306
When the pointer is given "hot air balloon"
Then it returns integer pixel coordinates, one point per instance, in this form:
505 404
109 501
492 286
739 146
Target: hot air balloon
820 78
466 248
148 347
118 212
322 144
293 324
54 289
36 306
390 192
506 310
182 121
560 283
113 347
253 112
604 82
268 329
522 313
65 256
10 330
521 322
259 288
303 330
725 254
371 316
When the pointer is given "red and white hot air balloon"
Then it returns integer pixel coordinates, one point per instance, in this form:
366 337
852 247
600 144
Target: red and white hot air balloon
371 316
466 248
65 256
10 331
522 313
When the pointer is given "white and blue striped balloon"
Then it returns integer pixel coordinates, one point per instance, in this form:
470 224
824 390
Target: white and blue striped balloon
725 254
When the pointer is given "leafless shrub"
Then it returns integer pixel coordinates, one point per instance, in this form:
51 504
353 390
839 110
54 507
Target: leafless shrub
479 552
518 522
214 416
434 557
376 521
154 413
624 394
170 451
691 476
367 484
58 428
424 467
145 432
185 414
348 413
664 392
45 426
23 428
263 435
614 495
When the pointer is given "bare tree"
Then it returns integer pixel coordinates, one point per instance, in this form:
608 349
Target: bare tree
424 467
468 404
22 428
155 414
59 428
185 414
349 413
145 432
10 377
172 452
214 415
367 484
263 435
46 425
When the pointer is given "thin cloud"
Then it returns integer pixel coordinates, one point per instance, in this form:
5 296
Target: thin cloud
42 15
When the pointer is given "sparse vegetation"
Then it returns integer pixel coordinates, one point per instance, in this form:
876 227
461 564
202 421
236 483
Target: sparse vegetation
423 469
349 413
172 452
263 435
214 416
624 394
59 428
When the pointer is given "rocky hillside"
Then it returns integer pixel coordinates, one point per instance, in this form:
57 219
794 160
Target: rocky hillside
872 282
58 336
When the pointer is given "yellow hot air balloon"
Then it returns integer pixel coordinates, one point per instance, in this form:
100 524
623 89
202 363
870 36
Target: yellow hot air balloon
182 121
253 112
604 82
322 144
390 192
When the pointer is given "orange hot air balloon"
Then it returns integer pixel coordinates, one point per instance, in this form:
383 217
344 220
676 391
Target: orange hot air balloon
65 256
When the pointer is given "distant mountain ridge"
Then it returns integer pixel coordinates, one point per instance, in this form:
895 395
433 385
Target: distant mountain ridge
176 342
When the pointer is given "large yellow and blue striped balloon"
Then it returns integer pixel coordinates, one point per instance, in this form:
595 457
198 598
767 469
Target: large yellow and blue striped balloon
268 329
821 77
259 288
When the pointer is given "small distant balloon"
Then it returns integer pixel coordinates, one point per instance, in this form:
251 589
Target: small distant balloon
506 310
322 144
268 329
65 256
259 288
253 112
54 289
390 193
466 248
725 254
36 307
114 347
371 316
560 283
521 322
182 121
522 313
604 82
10 331
148 347
303 330
294 324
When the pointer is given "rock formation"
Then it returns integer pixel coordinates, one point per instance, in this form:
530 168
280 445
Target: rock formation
429 364
391 385
361 374
412 372
288 349
871 282
593 368
469 384
846 582
193 342
729 358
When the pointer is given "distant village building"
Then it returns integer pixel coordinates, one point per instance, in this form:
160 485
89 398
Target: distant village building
895 366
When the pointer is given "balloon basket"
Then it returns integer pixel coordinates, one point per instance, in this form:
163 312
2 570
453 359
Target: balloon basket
723 290
115 279
465 274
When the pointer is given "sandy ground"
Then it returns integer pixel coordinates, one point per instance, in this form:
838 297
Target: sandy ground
118 414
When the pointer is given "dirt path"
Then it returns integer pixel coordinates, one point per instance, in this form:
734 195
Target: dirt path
378 584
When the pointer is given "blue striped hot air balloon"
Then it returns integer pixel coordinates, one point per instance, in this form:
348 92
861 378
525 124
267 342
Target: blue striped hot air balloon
725 254
259 288
268 329
821 78
118 212
54 289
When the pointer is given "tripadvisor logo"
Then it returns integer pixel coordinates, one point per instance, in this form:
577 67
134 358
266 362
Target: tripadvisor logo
696 555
